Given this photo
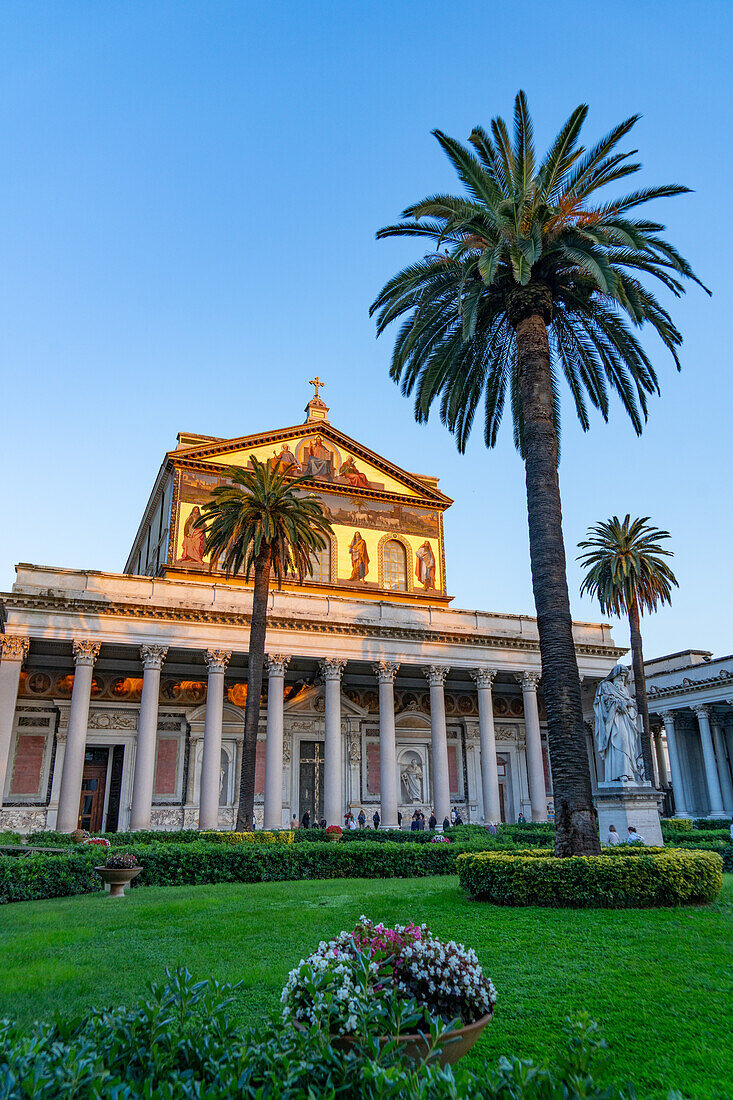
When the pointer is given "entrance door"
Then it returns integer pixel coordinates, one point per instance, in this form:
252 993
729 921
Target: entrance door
93 787
311 781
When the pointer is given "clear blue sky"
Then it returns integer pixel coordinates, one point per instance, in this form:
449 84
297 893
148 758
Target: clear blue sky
188 199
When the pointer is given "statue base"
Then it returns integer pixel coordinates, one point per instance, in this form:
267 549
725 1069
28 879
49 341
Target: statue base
623 803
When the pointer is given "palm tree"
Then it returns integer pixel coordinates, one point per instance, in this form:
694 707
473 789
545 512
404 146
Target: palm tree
531 278
627 572
261 522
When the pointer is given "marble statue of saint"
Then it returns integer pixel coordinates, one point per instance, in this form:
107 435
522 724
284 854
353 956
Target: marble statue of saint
411 780
617 734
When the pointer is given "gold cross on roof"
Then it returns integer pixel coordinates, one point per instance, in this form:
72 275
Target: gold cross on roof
317 383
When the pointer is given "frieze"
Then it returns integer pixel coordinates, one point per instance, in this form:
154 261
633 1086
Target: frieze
109 720
310 626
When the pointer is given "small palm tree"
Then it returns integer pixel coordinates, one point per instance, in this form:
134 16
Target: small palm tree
531 278
627 573
264 523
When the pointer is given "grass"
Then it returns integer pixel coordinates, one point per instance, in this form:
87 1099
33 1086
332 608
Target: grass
659 982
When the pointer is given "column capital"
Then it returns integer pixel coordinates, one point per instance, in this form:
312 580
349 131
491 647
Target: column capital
217 659
152 656
702 711
14 647
85 652
332 668
385 671
436 674
276 663
484 677
667 717
529 679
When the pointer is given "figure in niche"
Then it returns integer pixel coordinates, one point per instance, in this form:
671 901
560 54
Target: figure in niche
285 461
425 565
359 558
352 475
411 781
320 460
193 539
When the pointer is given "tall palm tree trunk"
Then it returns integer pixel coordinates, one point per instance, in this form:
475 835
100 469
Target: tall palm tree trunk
255 664
637 661
575 816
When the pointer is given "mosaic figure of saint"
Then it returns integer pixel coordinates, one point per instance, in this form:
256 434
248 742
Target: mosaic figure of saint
285 461
352 475
359 558
425 565
193 539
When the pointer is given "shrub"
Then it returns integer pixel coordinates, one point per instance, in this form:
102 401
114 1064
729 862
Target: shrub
48 876
180 1043
706 823
647 877
260 836
7 836
676 823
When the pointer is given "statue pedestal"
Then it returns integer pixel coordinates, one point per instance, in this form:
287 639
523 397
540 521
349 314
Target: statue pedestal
623 803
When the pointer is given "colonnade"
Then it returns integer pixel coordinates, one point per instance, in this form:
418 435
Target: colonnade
717 753
86 652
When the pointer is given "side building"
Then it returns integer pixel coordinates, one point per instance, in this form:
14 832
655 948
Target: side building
122 695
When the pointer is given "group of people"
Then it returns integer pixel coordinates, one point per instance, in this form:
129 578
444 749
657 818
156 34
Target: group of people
360 821
306 823
632 838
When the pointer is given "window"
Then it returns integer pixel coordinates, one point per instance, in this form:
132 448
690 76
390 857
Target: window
321 562
395 566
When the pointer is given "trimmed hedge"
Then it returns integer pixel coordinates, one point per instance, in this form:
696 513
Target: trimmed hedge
627 880
47 876
39 876
261 836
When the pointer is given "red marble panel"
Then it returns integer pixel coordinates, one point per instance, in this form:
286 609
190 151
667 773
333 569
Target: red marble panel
373 780
28 764
165 768
453 770
259 769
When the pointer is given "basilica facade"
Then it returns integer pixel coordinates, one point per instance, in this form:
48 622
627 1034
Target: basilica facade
122 695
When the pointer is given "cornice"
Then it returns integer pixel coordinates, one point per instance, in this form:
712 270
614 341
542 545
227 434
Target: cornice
688 686
421 634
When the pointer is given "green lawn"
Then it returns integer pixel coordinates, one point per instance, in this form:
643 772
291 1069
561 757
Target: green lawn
659 982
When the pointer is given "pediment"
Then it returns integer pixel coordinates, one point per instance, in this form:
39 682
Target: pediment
312 701
323 453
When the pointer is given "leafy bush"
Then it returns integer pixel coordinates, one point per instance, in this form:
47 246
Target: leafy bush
7 836
627 879
48 876
180 1044
258 837
723 824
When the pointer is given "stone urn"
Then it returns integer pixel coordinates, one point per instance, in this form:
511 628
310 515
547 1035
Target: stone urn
417 1048
117 878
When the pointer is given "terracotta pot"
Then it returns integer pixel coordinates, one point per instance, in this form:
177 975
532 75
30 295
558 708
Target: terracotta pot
333 836
118 878
456 1044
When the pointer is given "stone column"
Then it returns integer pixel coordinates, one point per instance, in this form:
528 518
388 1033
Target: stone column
276 664
660 758
726 787
711 772
484 678
385 672
85 655
435 675
217 661
678 790
13 651
333 773
147 737
535 764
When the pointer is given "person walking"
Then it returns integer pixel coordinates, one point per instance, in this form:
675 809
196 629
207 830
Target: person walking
432 820
453 815
362 819
306 819
446 823
376 819
294 823
399 818
491 828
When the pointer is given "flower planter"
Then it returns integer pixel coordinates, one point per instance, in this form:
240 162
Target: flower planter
117 878
333 836
416 1047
